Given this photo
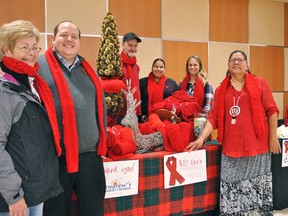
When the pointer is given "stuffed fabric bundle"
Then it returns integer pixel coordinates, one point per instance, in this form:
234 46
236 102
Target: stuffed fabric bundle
121 151
156 122
153 124
124 147
113 134
181 95
188 109
163 132
158 105
186 129
145 128
172 99
192 99
111 139
113 85
126 135
175 137
180 103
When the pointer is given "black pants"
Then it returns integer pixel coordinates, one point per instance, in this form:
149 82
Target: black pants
88 184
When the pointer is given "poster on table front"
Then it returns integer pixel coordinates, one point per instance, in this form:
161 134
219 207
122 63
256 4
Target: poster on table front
121 178
285 153
184 168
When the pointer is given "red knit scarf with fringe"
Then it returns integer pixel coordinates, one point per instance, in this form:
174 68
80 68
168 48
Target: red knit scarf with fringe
198 89
251 85
129 62
43 91
70 133
155 90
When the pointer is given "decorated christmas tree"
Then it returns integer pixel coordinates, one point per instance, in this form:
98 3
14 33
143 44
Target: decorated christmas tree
109 59
109 68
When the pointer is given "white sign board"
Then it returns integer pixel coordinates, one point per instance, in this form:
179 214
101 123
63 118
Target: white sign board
121 178
184 168
285 153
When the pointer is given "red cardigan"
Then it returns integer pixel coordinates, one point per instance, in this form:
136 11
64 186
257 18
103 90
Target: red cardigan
240 139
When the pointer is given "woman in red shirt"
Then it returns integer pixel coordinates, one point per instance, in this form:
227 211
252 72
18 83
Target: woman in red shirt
245 114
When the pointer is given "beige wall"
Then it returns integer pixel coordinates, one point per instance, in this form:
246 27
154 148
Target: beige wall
176 29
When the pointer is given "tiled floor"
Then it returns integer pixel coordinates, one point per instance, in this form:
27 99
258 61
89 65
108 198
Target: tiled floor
283 212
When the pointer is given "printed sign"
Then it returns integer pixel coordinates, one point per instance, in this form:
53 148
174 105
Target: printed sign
184 168
285 153
121 178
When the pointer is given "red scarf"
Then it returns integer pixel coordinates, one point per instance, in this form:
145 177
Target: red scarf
70 133
155 90
129 62
255 102
198 89
43 90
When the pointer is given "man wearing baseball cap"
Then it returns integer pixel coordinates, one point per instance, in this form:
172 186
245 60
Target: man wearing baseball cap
130 69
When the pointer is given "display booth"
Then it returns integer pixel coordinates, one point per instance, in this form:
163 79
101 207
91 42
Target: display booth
153 199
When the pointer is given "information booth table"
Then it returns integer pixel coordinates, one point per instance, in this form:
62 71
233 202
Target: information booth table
152 199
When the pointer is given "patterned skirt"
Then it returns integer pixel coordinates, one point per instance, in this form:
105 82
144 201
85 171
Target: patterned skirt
246 186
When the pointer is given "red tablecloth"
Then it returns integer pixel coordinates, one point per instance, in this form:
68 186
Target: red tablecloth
153 199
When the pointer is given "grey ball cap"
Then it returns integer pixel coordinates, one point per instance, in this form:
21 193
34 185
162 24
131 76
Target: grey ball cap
131 35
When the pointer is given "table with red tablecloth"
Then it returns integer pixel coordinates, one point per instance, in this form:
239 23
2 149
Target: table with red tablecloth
153 199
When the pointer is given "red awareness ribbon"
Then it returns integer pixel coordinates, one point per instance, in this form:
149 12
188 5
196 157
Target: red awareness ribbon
286 146
171 164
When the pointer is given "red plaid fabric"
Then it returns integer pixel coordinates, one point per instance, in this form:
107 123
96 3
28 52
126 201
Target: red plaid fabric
153 199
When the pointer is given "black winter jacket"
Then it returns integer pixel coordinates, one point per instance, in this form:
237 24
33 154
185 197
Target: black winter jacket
28 161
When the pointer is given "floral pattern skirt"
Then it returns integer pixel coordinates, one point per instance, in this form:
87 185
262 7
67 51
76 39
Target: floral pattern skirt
246 186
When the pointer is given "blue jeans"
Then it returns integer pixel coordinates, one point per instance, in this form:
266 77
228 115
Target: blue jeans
35 210
31 211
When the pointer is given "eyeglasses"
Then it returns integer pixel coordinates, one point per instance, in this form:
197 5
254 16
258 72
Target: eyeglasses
240 61
27 49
